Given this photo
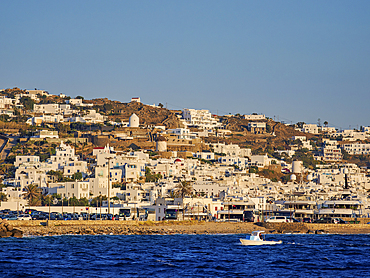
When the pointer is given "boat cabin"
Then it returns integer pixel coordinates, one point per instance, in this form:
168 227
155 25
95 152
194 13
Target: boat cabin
256 235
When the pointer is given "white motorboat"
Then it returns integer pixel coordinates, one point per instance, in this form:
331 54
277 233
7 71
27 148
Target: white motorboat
256 239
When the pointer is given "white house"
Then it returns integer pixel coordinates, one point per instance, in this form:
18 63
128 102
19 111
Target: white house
135 99
27 174
331 151
45 119
77 189
310 128
37 92
21 159
241 162
63 154
356 148
204 155
6 103
46 134
254 117
257 127
74 101
181 133
231 149
259 160
93 117
200 118
75 167
50 108
305 144
327 129
65 109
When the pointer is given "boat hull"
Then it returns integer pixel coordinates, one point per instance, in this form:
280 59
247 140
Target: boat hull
258 242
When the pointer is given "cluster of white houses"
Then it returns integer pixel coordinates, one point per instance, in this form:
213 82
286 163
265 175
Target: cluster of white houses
224 189
220 190
349 140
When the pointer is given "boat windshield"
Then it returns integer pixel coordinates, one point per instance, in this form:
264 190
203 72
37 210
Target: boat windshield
257 233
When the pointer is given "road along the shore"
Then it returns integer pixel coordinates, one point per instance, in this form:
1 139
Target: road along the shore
44 228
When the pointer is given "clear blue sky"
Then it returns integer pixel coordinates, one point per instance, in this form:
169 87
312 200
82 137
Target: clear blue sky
299 60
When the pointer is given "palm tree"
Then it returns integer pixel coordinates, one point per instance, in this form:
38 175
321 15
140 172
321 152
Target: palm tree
326 124
46 199
182 189
3 197
33 195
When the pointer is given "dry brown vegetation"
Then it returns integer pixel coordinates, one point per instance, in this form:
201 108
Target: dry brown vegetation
148 115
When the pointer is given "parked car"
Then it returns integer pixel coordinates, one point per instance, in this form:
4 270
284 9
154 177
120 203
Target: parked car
78 216
24 217
95 216
341 221
68 216
56 216
39 216
103 216
306 220
277 219
10 217
327 220
29 211
292 219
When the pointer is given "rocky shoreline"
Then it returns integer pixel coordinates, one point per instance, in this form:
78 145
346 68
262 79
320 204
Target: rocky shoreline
50 228
7 230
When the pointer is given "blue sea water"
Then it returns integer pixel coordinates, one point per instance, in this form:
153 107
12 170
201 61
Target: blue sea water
184 256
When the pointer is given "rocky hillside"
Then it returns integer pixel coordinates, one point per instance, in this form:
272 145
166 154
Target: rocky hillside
278 135
148 115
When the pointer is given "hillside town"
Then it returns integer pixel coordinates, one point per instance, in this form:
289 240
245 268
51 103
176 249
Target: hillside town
146 162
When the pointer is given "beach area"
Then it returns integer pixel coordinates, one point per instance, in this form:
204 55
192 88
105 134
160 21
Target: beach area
50 228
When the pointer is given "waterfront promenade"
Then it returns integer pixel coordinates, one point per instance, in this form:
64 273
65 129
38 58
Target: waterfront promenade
43 228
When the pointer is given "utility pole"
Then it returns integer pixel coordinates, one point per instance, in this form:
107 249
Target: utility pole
229 209
101 201
49 199
62 203
108 177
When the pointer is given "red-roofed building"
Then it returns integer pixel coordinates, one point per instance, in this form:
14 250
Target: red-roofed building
135 99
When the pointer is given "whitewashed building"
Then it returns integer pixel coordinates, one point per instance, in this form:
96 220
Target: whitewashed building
231 149
356 148
49 108
254 117
331 151
202 119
